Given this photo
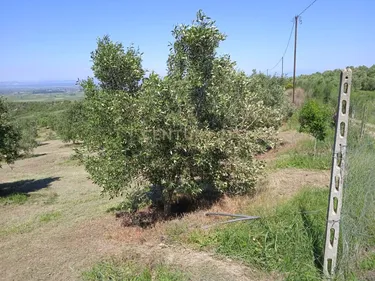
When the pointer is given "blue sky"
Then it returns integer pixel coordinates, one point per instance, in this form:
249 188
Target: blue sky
52 40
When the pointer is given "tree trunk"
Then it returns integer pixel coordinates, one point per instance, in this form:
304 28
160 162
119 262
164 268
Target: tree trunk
167 203
167 208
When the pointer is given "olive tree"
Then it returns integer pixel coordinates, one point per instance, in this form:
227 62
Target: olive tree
9 137
315 119
72 123
197 128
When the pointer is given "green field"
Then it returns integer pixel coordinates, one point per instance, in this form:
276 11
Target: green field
27 97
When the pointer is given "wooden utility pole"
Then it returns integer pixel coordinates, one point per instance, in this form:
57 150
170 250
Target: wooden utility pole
282 67
295 54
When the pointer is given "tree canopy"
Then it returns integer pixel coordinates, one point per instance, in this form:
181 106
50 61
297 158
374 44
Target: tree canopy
9 136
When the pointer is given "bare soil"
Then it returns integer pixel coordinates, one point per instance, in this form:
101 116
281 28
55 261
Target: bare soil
63 228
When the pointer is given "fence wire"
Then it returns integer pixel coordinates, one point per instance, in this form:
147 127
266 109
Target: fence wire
358 212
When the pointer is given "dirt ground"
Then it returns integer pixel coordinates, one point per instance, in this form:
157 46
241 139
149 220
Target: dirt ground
63 228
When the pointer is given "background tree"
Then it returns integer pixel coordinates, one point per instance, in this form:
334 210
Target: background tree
315 119
28 131
71 124
9 137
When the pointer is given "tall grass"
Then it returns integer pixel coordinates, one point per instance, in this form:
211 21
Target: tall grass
358 213
303 155
288 239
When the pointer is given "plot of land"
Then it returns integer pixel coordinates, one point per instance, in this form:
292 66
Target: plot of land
60 227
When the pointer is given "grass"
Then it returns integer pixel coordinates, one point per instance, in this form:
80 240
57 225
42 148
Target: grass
357 218
288 239
15 198
51 216
368 263
292 123
51 198
115 270
25 227
302 156
362 100
32 224
22 198
28 97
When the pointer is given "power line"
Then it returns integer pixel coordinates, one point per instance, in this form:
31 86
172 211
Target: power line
312 3
286 49
290 36
295 45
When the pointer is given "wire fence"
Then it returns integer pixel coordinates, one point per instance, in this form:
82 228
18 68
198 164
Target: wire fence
358 212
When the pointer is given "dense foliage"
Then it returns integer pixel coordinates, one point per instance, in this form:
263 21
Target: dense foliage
315 119
29 132
9 136
43 114
197 128
71 123
324 86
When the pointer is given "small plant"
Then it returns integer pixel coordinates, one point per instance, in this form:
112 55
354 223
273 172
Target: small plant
314 119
